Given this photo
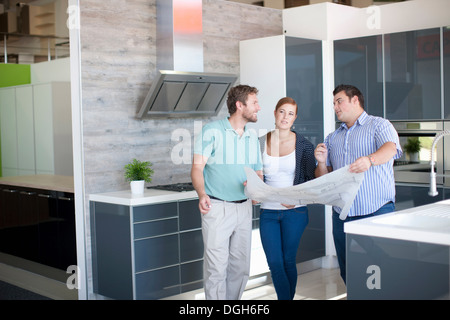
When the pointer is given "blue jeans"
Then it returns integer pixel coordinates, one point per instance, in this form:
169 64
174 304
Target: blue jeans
281 231
339 234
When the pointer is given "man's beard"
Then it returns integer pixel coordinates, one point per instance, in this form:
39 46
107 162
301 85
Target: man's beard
250 117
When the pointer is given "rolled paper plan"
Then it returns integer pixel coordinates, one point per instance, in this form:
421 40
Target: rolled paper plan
337 188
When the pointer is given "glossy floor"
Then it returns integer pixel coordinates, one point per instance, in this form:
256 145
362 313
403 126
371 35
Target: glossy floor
320 284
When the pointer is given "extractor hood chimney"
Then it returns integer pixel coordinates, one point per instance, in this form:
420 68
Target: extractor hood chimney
181 88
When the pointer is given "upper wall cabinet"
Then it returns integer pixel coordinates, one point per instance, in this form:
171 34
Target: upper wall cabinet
359 62
399 74
447 71
304 83
413 75
281 66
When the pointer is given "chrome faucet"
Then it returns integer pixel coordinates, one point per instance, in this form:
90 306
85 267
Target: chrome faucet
433 190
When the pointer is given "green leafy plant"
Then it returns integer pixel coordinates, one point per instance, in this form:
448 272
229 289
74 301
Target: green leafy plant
412 145
137 170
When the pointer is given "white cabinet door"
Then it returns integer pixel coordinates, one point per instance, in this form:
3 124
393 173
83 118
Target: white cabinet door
43 116
25 130
36 129
8 125
62 128
263 65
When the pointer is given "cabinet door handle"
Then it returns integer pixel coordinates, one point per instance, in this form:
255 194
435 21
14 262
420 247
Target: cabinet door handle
27 193
65 198
9 190
44 195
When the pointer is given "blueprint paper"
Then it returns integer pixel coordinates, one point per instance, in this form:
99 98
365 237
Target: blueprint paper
337 188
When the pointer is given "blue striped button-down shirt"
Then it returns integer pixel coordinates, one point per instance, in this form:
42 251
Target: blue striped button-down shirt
365 137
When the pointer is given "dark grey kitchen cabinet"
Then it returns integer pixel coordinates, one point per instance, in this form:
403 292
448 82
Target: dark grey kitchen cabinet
28 226
381 268
146 252
413 75
304 82
9 213
359 62
400 74
66 230
38 225
47 207
446 67
312 243
411 196
191 274
189 215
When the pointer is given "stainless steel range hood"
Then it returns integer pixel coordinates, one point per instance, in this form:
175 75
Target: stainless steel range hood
181 88
183 94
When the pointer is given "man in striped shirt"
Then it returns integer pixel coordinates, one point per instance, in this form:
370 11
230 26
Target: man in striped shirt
367 144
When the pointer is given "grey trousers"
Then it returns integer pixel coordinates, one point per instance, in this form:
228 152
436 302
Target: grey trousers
227 234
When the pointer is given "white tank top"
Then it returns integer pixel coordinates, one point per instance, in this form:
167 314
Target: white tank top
279 172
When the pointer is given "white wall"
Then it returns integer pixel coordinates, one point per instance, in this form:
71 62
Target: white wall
329 21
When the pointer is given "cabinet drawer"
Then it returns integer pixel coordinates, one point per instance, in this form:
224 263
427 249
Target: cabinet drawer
155 211
156 252
312 245
191 245
190 216
158 284
155 228
191 276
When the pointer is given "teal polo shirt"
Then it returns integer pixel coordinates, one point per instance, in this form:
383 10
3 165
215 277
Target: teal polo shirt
228 154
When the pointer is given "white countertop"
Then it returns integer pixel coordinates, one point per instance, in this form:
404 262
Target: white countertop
41 181
150 196
429 223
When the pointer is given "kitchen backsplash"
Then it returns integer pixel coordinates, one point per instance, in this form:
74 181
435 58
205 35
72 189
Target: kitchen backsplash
118 65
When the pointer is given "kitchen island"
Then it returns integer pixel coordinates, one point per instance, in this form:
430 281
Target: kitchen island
400 255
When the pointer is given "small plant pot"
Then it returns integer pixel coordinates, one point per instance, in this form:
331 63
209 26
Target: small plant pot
414 157
137 187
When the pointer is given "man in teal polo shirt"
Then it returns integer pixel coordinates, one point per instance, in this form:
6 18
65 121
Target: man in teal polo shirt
221 152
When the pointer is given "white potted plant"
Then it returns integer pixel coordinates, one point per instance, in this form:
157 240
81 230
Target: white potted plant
138 173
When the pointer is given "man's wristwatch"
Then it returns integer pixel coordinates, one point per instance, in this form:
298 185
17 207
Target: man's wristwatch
372 160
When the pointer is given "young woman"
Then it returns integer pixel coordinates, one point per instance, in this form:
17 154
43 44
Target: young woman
288 159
